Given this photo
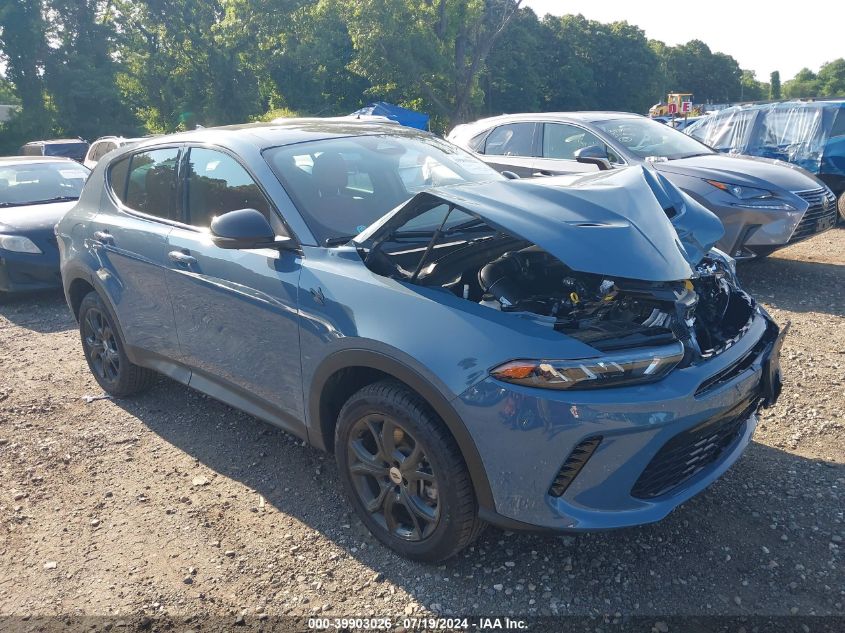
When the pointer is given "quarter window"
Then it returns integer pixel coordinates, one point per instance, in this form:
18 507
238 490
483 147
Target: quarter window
217 184
151 183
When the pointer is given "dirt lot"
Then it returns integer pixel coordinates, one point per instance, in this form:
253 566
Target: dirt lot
173 504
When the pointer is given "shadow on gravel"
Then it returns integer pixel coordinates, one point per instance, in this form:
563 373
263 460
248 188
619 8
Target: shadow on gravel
44 312
757 542
799 286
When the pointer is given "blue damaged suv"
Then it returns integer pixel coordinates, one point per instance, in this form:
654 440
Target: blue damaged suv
546 354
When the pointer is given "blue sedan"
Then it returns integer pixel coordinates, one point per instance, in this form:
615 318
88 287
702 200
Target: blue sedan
35 192
555 355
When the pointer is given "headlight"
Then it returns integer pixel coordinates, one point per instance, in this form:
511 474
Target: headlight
613 370
727 261
18 244
753 197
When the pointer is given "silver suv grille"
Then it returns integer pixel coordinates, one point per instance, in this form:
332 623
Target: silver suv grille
820 216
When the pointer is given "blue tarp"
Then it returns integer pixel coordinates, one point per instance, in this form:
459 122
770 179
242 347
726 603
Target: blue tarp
403 116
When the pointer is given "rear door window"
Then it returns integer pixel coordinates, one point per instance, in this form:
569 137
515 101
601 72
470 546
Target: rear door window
147 182
514 139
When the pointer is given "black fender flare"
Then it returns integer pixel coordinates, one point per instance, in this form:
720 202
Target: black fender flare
417 381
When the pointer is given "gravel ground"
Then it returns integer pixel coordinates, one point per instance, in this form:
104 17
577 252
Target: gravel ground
173 504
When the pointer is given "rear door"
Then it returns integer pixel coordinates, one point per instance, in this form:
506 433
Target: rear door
137 213
236 310
511 147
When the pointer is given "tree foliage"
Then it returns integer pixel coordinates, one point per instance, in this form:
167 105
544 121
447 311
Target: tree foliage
94 67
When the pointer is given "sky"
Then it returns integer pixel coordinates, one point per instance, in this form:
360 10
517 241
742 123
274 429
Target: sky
762 36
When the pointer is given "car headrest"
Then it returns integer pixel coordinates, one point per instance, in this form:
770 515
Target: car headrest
330 172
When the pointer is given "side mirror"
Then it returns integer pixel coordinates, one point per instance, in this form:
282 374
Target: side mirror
244 228
594 155
510 175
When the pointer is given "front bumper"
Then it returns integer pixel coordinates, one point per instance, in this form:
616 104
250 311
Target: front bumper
28 272
751 232
525 436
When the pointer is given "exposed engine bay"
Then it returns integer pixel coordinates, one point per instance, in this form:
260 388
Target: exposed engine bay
708 313
619 261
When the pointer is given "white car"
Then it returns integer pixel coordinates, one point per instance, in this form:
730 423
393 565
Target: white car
103 146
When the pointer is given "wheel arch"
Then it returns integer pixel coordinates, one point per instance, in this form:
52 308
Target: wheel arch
77 284
347 371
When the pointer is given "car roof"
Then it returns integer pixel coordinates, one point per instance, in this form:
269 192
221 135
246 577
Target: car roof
54 141
585 116
288 132
17 160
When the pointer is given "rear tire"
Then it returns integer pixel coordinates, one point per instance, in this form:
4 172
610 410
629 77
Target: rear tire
404 474
841 205
105 352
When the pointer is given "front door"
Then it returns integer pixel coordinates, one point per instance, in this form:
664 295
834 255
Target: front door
236 310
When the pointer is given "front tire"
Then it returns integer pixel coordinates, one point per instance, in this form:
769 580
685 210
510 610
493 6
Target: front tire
841 206
105 352
404 474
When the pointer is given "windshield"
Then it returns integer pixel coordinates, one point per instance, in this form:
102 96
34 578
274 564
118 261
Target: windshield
645 138
343 185
40 183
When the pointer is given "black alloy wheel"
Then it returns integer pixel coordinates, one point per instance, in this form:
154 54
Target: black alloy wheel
101 346
404 474
105 352
393 477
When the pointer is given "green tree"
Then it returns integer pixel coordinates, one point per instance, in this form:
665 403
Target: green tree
752 90
7 93
302 56
599 66
80 73
831 78
774 85
183 63
804 84
518 67
23 48
711 77
431 52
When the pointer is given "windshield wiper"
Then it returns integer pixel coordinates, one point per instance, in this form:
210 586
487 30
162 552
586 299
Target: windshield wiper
50 200
341 240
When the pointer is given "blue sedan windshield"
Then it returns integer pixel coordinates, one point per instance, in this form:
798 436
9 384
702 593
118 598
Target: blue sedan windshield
343 185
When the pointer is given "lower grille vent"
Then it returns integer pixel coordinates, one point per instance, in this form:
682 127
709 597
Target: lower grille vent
573 465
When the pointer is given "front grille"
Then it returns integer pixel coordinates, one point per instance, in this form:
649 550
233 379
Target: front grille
820 214
688 453
573 465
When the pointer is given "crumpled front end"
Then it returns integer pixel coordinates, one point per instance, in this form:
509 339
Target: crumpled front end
599 459
653 360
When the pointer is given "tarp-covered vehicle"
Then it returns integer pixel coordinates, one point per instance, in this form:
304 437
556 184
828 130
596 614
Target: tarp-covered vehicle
808 134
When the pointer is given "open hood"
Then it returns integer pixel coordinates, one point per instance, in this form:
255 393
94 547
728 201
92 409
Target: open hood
614 223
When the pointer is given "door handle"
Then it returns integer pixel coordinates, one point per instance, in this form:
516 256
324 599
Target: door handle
179 257
104 237
542 172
